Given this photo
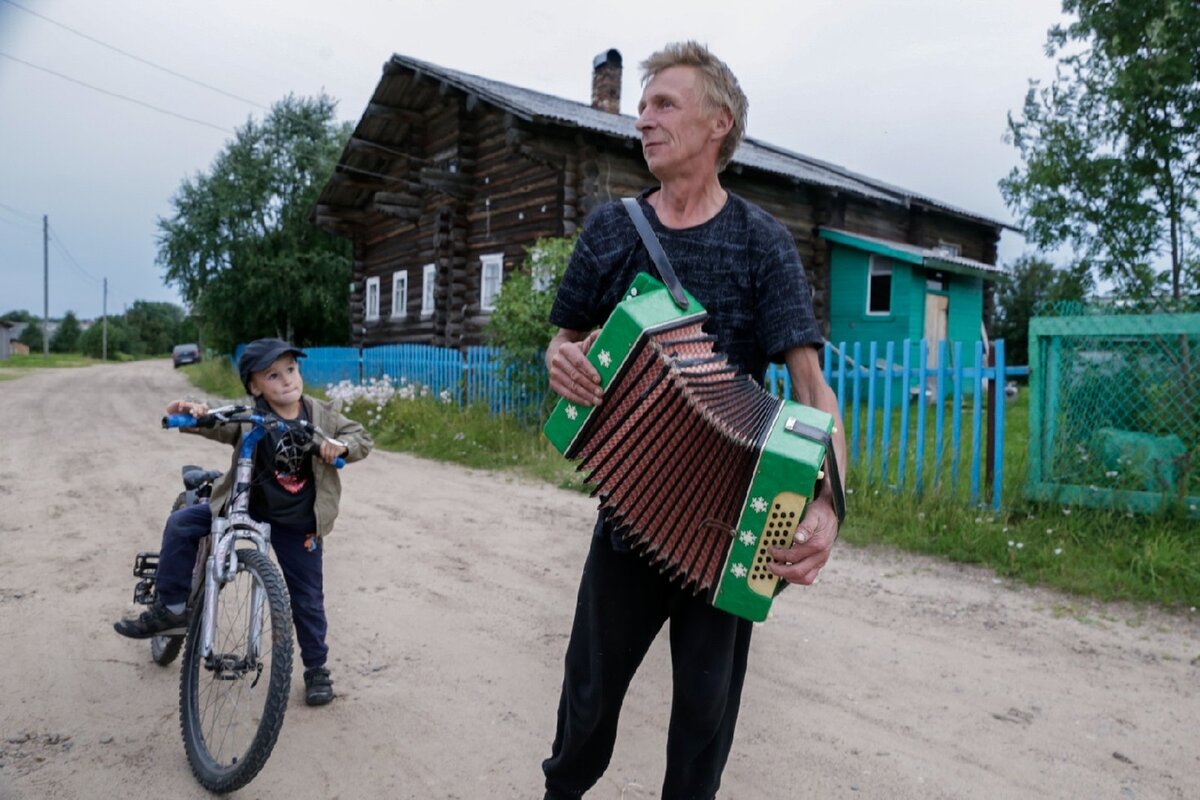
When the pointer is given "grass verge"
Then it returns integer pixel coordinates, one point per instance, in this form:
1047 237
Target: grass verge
1097 554
215 377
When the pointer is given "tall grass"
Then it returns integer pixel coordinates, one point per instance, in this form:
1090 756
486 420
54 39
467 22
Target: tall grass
1108 555
216 377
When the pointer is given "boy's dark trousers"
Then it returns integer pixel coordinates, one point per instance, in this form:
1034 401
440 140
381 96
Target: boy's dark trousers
300 559
622 604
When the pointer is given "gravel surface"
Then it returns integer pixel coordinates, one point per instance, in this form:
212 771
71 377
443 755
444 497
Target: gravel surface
450 594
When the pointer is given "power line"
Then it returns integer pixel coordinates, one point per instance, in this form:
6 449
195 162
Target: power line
62 248
23 214
115 94
21 225
139 59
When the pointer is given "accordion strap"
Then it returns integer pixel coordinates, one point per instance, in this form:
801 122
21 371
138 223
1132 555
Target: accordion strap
835 479
657 254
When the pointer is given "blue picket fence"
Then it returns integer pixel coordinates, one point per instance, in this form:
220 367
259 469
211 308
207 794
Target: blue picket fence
912 422
888 392
473 375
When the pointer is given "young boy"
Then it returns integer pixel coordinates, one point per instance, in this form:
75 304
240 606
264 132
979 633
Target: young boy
300 505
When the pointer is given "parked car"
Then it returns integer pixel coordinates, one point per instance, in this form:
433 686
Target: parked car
185 354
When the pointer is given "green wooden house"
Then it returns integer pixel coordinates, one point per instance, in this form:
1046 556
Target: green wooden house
882 290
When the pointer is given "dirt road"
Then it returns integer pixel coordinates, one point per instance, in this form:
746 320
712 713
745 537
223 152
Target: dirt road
450 596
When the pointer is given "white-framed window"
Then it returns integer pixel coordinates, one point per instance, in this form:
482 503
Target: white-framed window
879 286
372 298
428 276
952 249
399 295
491 276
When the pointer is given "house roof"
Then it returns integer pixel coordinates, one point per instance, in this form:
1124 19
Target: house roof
544 108
930 257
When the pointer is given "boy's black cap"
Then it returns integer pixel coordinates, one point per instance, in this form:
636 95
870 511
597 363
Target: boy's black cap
260 354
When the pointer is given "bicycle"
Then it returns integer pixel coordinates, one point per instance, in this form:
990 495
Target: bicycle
240 620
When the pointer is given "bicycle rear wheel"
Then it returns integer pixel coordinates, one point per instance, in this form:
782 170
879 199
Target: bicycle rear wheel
232 704
165 649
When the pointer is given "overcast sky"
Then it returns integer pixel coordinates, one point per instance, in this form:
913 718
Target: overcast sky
912 92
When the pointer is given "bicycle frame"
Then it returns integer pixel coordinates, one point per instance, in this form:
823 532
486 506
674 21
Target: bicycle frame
228 528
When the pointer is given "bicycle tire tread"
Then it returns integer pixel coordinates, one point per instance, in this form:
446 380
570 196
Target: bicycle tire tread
279 686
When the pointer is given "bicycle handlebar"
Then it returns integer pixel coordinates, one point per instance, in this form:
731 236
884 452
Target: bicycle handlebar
232 414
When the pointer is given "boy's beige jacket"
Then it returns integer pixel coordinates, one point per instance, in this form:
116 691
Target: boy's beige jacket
326 416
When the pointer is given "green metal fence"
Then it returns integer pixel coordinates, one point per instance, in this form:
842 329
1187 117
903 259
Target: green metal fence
1115 411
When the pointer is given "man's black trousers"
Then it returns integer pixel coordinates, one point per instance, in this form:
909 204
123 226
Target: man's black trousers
621 607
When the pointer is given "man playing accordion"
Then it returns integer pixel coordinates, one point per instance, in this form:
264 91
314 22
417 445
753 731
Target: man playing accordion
743 267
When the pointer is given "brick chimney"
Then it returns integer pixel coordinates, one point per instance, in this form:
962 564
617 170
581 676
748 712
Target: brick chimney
606 82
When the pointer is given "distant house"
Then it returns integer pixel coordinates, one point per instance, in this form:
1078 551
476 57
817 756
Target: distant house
449 177
6 337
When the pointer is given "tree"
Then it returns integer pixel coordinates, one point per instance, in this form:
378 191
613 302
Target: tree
1033 284
19 315
91 341
153 328
519 322
240 245
66 338
31 337
1111 149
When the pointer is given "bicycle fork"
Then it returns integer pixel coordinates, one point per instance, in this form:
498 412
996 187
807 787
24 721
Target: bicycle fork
222 568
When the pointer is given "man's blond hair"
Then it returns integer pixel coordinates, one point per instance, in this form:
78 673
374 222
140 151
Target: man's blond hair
719 87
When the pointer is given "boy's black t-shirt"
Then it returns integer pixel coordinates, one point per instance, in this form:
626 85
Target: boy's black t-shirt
741 265
288 502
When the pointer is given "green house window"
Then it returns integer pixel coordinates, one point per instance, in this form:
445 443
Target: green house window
879 286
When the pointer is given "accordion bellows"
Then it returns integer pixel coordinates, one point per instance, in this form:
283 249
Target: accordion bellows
701 470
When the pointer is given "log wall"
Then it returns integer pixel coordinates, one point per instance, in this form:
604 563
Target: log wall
438 176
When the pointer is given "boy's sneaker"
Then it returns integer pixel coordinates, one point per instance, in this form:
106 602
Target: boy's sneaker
318 686
157 621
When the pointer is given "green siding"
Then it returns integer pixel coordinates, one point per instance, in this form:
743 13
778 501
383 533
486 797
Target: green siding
966 308
848 318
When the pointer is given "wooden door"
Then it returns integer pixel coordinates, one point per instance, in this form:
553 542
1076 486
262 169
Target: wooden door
937 322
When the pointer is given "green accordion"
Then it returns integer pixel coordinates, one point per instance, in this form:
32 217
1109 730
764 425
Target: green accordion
700 469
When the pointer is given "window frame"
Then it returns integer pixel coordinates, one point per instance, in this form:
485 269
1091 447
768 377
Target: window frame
880 266
371 291
428 290
400 279
490 260
949 248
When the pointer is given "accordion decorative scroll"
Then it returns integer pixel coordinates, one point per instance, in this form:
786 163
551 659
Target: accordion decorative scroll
700 468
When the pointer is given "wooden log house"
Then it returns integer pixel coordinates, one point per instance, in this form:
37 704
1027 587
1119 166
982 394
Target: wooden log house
448 178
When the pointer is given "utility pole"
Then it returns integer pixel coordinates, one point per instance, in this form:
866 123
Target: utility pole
45 286
104 328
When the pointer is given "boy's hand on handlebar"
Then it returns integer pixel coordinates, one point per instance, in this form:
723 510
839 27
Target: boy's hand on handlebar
330 452
196 409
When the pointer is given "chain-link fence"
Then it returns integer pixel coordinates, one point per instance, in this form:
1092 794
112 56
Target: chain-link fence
1115 409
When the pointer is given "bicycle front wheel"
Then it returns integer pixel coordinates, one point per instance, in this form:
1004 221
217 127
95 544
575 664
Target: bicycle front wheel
232 703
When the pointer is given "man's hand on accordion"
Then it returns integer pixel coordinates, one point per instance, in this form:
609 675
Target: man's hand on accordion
802 562
572 376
